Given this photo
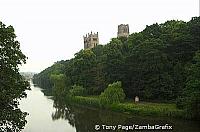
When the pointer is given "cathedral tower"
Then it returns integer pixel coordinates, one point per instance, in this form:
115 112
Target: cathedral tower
91 40
123 30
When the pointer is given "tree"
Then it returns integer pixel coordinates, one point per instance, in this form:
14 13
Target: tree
112 94
44 79
114 61
147 71
12 84
190 100
150 64
99 78
59 87
83 69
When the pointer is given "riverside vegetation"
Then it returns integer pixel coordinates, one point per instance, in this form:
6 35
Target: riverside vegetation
159 64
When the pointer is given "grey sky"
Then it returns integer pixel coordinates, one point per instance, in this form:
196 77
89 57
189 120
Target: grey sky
52 30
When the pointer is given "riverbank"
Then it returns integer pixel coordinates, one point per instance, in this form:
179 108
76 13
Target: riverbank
58 116
141 108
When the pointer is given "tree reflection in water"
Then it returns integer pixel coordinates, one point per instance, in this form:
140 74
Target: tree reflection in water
84 119
63 111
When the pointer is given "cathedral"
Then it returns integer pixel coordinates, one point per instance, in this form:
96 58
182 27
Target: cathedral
92 39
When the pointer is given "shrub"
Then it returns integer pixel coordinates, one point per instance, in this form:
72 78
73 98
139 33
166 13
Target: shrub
112 94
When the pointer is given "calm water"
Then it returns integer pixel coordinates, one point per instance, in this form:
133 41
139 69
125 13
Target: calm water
46 115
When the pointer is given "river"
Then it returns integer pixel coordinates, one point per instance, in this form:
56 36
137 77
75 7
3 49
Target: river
46 115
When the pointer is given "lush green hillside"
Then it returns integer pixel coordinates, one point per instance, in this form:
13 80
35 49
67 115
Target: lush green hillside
160 63
43 79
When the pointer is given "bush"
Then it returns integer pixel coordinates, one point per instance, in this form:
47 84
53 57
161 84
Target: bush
112 94
77 91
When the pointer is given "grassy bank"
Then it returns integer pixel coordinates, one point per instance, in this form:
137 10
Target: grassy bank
90 101
142 108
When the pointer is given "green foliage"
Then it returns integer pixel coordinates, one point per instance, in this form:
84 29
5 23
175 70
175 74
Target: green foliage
82 70
77 91
114 61
43 79
190 100
149 109
113 94
150 67
59 84
142 109
89 101
151 64
12 84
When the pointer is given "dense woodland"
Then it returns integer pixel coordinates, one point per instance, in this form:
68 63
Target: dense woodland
160 63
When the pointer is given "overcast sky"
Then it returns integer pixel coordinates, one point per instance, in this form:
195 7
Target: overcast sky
52 30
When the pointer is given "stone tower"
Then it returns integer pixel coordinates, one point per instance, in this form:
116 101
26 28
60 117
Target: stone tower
123 30
91 40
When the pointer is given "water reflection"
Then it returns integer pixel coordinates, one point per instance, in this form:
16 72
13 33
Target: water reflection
40 109
49 115
62 111
84 119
